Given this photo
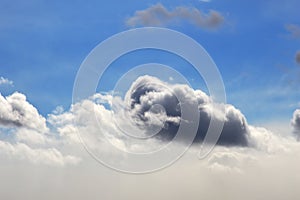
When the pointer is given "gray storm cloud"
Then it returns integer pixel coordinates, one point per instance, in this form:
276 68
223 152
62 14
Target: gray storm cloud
296 122
147 91
158 15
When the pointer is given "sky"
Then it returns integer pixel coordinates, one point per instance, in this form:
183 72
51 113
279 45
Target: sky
255 46
253 49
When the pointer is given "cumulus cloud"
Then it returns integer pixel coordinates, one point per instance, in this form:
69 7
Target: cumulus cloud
24 134
5 81
294 30
158 15
147 92
16 111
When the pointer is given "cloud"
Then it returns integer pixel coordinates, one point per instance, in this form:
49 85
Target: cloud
5 81
158 15
294 30
148 91
235 171
44 156
151 106
297 57
17 112
24 134
296 122
29 146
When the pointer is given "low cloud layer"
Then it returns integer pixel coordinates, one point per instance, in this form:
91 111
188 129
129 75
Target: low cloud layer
45 156
158 15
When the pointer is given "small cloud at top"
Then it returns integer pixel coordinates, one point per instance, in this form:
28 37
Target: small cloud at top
159 15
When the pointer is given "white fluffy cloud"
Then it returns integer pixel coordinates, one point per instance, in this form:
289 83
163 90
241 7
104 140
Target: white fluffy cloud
158 15
25 135
17 112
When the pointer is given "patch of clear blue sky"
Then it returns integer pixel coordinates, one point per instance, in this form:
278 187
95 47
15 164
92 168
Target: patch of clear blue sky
44 42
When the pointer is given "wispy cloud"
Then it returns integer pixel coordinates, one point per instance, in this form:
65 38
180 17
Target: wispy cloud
5 81
158 15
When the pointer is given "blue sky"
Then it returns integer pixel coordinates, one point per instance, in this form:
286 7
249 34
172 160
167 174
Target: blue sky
44 42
